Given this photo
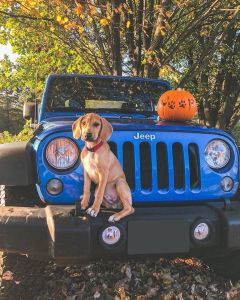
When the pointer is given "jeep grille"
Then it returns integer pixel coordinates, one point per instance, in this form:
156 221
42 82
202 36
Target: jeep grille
166 163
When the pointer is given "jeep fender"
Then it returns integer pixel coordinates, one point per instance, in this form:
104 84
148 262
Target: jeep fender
17 164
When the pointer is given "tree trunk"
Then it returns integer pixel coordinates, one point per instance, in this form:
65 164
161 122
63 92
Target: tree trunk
130 37
138 34
116 51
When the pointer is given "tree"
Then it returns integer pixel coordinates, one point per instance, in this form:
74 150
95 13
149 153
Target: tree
213 71
179 40
11 111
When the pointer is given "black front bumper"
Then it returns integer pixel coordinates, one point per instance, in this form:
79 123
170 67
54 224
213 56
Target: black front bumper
59 233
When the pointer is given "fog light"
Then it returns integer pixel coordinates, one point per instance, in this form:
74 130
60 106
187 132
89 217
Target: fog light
54 186
227 184
201 231
111 235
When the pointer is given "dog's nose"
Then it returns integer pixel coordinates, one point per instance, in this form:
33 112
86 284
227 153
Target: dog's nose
88 135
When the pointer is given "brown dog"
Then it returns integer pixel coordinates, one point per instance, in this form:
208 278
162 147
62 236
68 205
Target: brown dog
102 167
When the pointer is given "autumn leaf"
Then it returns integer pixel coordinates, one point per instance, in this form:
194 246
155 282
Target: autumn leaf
93 11
168 14
90 19
118 9
65 20
70 26
7 276
128 24
163 33
81 29
79 10
104 22
59 18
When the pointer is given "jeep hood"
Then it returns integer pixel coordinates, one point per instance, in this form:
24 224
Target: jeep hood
125 123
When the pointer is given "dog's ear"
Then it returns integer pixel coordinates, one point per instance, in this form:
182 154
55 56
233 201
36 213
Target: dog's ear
106 130
76 128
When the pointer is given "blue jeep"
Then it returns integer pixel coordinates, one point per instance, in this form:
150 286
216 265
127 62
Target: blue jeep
184 180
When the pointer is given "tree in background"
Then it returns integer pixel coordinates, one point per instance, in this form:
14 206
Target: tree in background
24 79
213 72
194 44
9 99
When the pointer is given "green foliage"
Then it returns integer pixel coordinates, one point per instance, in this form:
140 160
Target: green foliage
236 133
23 135
193 44
40 52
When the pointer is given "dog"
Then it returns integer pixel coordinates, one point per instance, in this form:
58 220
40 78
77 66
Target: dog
102 167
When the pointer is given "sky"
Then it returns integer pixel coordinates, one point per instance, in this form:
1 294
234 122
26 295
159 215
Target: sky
7 49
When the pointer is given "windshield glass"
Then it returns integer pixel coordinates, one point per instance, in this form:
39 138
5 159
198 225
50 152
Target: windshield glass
83 93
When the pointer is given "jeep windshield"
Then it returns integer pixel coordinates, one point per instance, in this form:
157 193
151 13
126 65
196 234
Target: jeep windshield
108 94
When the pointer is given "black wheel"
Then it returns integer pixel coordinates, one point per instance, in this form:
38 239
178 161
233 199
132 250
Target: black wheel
227 266
19 196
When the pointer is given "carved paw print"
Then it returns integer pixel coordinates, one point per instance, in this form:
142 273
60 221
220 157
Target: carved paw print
171 104
190 101
164 103
182 103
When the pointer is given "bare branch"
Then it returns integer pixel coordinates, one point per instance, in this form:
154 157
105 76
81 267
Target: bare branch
25 16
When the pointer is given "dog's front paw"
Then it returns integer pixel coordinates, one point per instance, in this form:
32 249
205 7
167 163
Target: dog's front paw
113 218
84 205
93 211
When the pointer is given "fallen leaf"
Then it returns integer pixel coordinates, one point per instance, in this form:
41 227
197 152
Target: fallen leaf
167 279
96 295
8 275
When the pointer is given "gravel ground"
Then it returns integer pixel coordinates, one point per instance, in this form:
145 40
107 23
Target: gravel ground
24 279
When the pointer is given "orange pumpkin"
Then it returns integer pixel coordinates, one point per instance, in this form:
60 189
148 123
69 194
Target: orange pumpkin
176 105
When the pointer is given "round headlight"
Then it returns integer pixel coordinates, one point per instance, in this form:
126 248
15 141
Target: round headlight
217 154
62 153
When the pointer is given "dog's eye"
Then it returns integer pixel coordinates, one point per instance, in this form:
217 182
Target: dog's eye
96 124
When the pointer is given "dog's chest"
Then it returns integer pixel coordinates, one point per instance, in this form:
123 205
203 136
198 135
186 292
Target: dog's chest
90 166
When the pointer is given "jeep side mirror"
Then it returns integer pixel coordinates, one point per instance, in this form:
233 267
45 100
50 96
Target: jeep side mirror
30 111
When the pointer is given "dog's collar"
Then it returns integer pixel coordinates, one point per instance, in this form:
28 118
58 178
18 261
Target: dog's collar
95 148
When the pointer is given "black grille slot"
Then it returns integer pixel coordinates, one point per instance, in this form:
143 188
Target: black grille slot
129 164
162 166
145 166
113 147
178 166
194 166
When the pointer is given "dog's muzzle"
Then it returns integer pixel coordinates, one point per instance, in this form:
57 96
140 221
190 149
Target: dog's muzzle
88 136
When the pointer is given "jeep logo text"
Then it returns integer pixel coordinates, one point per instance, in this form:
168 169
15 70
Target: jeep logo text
147 136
